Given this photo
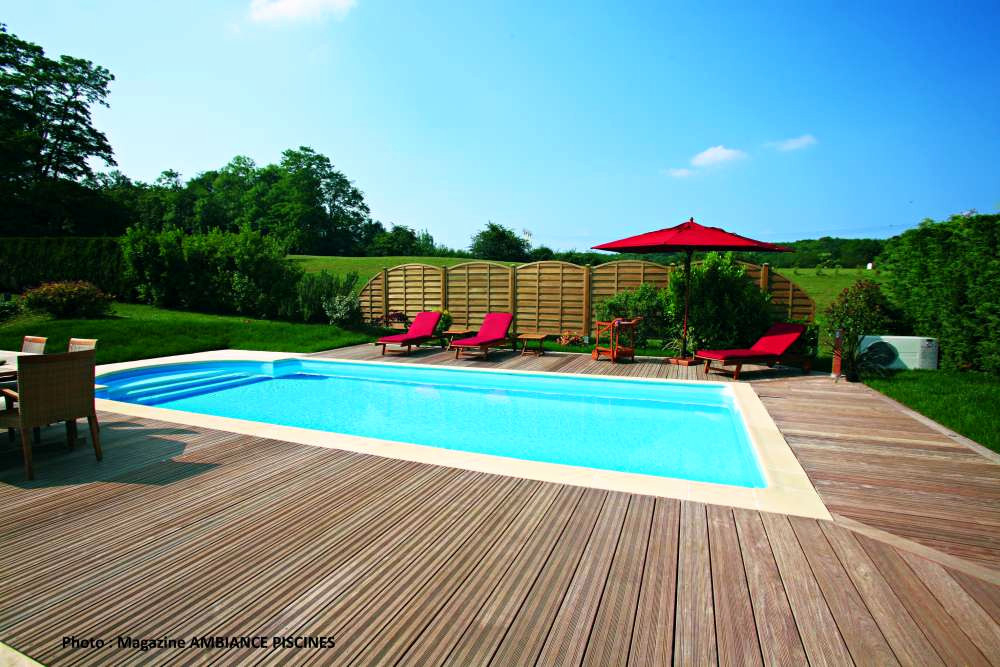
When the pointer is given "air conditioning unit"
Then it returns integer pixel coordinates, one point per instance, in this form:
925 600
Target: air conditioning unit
900 352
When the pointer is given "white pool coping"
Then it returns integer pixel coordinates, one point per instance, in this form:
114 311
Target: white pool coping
788 489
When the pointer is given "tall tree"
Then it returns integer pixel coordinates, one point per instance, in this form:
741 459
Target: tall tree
47 135
499 243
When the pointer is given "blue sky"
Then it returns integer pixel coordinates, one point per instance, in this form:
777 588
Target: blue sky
580 121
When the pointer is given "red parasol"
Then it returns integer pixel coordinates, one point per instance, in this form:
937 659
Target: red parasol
689 236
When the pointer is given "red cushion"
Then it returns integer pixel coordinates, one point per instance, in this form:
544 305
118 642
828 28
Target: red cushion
495 326
424 323
778 339
722 355
402 338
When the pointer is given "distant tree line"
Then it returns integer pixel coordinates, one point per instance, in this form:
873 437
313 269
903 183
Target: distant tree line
49 188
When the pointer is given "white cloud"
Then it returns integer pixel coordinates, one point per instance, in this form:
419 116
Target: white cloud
716 155
292 10
680 172
794 144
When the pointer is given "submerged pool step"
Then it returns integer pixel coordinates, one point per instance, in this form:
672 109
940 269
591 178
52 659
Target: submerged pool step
152 387
199 388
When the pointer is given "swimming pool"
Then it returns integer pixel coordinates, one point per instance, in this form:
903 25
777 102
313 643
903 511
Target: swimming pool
681 430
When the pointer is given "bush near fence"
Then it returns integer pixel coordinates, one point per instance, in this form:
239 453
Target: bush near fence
548 297
29 262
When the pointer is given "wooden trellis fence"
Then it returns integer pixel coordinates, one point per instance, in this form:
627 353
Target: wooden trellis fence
547 297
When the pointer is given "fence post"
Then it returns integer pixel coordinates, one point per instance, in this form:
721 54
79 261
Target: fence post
838 338
385 293
512 278
444 288
586 302
765 277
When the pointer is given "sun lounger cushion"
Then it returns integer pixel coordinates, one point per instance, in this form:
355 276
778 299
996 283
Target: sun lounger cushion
773 344
494 329
421 329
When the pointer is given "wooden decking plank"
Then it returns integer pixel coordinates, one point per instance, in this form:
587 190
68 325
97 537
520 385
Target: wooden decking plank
820 636
611 634
777 632
136 569
903 635
200 577
939 627
440 637
484 634
694 618
449 595
735 629
424 598
858 628
329 561
985 593
983 630
376 597
288 607
653 630
528 630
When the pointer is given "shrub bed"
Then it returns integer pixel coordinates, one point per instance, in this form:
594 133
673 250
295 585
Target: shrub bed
68 300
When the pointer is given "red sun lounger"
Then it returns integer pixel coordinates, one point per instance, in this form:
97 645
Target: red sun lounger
493 333
772 348
421 331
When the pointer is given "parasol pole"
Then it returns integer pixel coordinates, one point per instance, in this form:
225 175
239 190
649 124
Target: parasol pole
687 300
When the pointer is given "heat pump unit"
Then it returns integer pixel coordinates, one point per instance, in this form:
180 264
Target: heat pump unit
900 352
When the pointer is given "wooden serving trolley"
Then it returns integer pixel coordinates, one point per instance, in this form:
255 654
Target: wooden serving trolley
621 339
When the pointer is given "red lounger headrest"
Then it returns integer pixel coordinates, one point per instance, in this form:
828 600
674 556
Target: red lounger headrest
424 323
495 325
778 338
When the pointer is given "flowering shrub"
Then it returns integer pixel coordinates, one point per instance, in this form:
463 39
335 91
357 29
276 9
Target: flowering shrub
570 338
343 309
68 300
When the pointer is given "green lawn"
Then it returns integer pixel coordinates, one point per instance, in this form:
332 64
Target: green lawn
966 402
139 332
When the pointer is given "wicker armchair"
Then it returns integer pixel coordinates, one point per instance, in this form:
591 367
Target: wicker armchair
52 388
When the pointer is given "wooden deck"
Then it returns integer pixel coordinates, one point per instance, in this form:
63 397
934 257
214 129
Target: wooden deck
185 532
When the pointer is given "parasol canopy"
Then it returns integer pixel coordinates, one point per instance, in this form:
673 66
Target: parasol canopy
688 237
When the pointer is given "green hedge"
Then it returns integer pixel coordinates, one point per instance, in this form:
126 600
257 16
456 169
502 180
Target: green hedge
29 262
945 276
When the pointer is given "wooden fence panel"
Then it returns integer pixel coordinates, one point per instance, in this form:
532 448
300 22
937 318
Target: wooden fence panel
477 288
371 297
609 279
414 288
550 297
788 301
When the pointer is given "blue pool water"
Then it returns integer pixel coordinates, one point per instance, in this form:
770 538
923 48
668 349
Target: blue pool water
669 429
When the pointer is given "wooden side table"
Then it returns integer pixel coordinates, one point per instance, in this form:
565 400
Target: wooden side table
452 334
526 338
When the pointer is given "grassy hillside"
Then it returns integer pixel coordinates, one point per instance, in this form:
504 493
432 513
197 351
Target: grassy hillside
368 266
823 285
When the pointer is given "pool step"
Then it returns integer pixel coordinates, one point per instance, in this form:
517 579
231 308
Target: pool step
140 390
200 388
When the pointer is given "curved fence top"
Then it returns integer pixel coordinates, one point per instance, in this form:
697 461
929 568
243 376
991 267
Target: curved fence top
548 296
